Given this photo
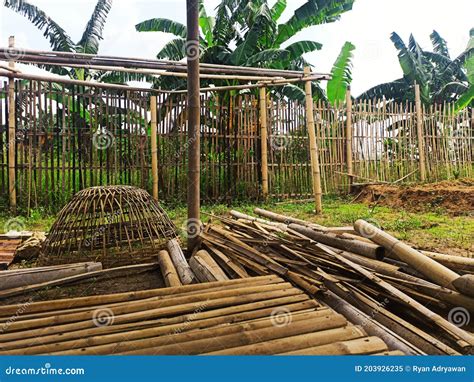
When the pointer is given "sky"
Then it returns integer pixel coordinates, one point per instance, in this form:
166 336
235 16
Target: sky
368 26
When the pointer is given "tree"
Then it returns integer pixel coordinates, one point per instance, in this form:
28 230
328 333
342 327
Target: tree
60 40
440 77
249 33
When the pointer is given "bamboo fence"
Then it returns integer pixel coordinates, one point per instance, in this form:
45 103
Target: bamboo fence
70 137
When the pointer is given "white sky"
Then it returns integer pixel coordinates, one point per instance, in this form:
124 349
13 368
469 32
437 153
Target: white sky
368 26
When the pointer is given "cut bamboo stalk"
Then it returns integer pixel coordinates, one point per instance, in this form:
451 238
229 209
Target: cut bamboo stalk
178 336
11 144
433 270
205 268
184 271
232 268
286 219
370 325
248 334
307 340
297 302
111 272
313 146
455 262
189 323
154 145
170 275
369 345
138 306
31 276
264 140
463 338
419 130
45 306
349 134
153 313
372 251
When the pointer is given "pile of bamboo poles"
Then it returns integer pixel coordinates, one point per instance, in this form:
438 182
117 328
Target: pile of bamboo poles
414 302
257 315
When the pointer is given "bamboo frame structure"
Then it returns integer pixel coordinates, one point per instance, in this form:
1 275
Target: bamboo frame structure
154 145
116 224
264 140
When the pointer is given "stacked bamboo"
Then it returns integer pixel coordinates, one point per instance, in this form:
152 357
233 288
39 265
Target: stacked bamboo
395 291
258 315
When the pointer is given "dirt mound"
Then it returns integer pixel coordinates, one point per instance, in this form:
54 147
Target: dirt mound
456 197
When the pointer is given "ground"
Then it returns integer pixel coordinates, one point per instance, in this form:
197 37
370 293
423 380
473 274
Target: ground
437 217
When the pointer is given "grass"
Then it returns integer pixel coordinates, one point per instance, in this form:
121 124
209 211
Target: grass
432 230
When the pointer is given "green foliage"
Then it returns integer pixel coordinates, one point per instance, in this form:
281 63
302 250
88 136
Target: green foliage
441 78
341 75
249 33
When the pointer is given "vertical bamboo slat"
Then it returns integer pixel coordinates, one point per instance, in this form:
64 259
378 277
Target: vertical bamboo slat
419 129
11 133
154 145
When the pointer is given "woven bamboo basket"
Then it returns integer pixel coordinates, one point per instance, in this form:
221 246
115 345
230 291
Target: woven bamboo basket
116 225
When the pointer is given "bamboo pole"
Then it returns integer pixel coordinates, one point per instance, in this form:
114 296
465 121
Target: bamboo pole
349 134
254 332
433 270
74 57
419 129
264 140
367 345
296 342
313 146
187 323
359 247
11 132
185 273
205 268
237 312
154 145
194 122
45 306
170 275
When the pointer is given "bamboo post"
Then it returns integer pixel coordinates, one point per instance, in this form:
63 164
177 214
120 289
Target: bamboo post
419 130
264 140
350 169
11 132
194 120
154 146
313 146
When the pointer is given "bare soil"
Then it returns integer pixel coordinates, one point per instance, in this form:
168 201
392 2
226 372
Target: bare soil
454 197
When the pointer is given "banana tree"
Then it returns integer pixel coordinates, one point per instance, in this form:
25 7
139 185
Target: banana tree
440 77
249 33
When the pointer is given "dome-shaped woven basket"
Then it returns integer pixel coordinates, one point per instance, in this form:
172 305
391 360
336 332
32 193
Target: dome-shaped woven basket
116 225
